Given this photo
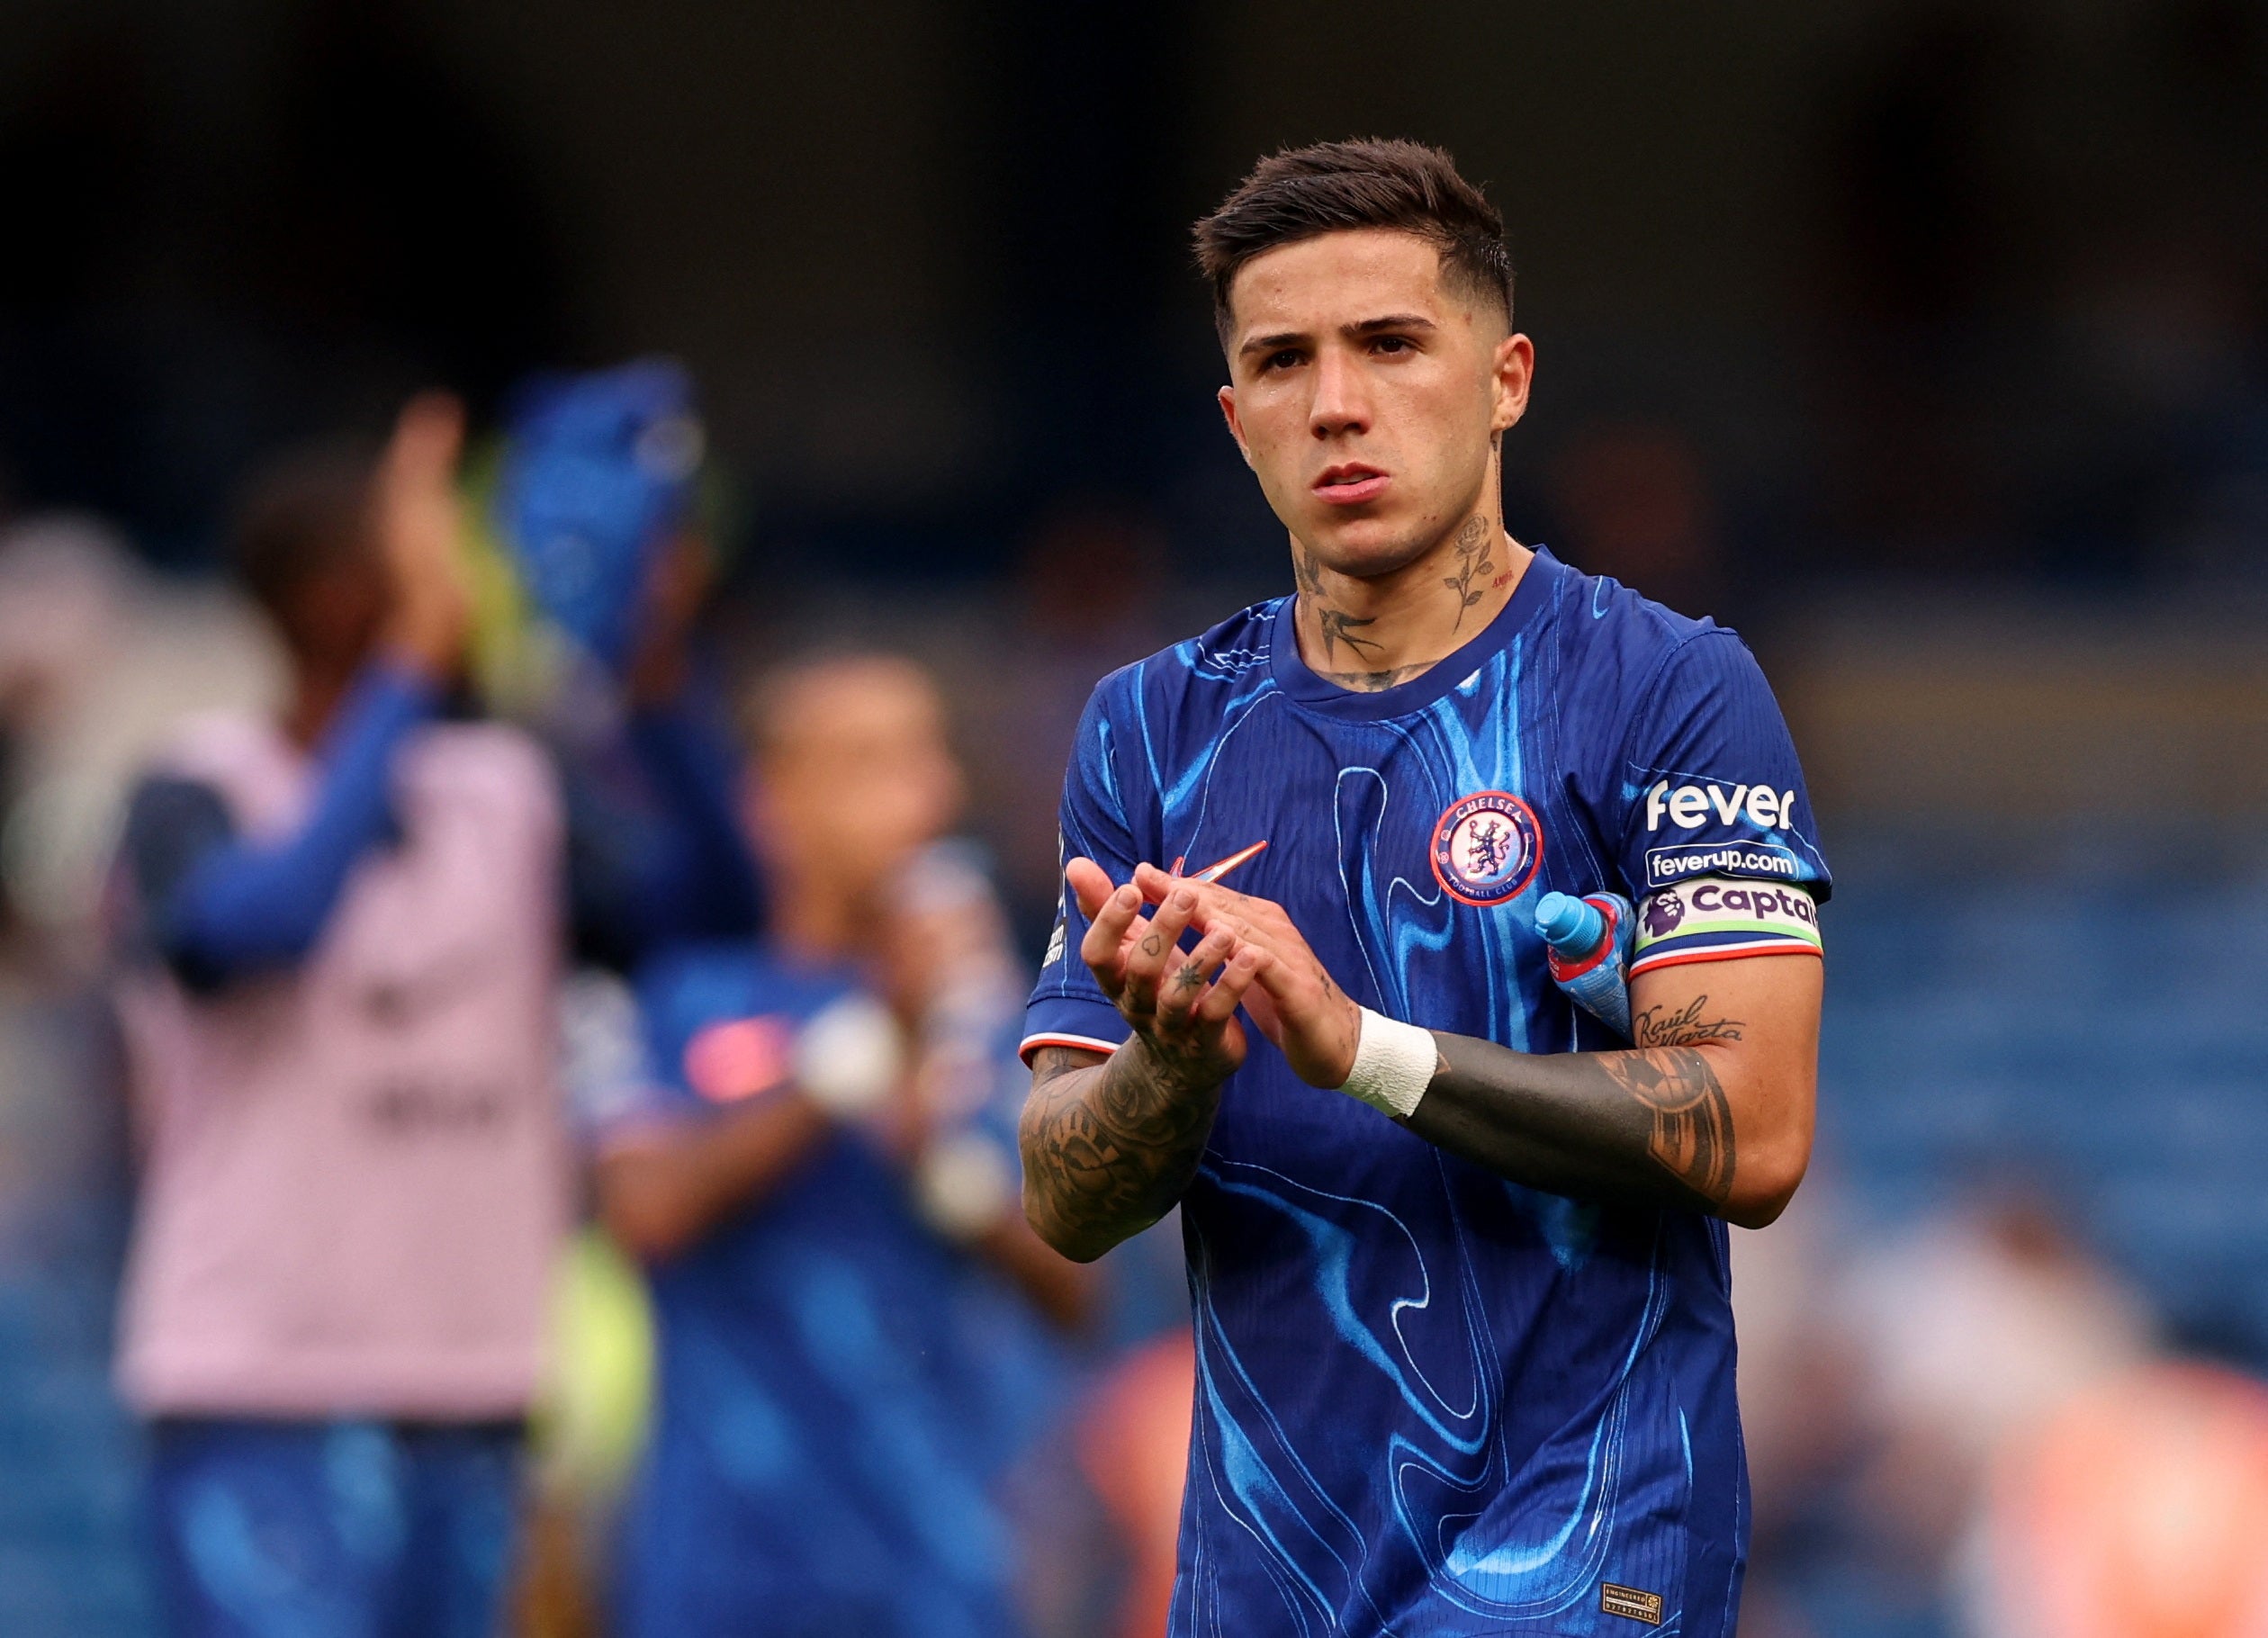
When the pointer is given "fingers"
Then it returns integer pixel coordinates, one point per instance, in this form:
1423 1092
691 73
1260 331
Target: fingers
1158 886
1315 1024
1156 883
1152 951
417 519
1091 885
1261 1008
1111 930
1215 903
1220 1004
1240 960
1183 984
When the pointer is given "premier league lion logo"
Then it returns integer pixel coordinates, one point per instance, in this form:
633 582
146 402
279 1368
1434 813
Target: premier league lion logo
1485 847
1664 911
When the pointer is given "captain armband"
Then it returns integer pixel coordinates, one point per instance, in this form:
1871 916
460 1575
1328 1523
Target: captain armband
1714 918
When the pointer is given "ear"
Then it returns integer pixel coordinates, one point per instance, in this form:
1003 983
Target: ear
1227 398
1514 370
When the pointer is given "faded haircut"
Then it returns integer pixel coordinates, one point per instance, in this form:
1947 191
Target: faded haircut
1329 187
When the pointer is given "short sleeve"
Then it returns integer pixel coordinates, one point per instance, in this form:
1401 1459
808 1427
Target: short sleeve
1718 844
1067 1007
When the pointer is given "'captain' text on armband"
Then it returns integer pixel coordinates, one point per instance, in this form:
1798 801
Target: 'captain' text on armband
1711 918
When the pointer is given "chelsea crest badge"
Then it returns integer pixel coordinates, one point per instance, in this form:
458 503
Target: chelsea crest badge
1485 847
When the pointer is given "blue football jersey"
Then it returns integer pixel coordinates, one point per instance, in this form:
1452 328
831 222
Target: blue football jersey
1431 1402
840 1393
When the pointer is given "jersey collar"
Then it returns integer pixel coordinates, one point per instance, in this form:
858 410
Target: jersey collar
1527 602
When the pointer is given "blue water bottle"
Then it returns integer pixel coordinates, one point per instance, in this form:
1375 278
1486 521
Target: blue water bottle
1589 944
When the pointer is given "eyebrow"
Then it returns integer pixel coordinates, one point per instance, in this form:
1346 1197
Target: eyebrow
1367 327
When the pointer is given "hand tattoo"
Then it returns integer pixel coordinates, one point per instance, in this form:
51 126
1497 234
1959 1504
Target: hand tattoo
1473 560
1109 1148
1189 976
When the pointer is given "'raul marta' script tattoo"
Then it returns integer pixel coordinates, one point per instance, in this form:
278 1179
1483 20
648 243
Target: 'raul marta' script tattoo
1655 1027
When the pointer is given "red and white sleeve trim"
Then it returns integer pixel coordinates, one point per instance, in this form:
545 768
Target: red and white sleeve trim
1724 952
1056 1037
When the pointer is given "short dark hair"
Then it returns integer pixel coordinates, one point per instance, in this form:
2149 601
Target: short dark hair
1298 192
303 514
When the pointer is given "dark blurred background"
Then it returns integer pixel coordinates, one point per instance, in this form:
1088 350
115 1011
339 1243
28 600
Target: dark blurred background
1927 344
1884 288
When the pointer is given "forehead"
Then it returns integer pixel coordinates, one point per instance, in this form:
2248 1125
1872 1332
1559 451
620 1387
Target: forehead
1339 278
835 706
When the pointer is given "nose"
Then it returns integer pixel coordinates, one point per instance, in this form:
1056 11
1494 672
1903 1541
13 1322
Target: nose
1341 404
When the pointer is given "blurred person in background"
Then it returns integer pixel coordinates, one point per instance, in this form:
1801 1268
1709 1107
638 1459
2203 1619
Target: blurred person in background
2138 1509
1974 1329
809 1142
99 662
1799 1375
588 637
599 506
340 1016
1133 1448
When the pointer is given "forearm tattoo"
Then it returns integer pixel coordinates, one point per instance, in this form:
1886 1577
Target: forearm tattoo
1692 1120
1692 1117
1109 1148
1653 1123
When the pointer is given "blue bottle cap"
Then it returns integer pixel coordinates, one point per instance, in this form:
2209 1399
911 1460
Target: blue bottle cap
1572 927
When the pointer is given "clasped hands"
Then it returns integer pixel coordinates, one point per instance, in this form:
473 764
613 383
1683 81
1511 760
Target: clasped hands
1183 1004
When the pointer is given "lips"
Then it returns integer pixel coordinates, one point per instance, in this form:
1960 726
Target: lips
1350 484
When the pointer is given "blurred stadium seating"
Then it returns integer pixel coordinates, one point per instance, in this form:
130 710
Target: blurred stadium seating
2102 1036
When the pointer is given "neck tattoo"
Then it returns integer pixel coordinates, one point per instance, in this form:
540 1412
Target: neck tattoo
1474 558
1337 626
1475 551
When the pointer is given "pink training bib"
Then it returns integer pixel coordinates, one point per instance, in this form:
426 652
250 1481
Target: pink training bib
356 1172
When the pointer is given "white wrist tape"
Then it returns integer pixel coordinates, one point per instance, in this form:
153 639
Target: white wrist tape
1393 1065
848 1058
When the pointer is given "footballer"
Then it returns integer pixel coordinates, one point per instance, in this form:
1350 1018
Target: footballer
1457 1255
